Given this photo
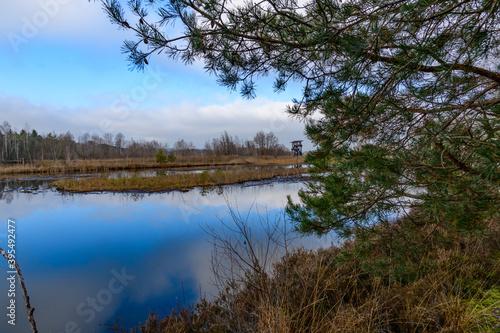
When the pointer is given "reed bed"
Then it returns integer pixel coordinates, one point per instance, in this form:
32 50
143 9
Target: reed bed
127 164
168 182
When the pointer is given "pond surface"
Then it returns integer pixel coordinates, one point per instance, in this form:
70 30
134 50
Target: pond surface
88 259
162 172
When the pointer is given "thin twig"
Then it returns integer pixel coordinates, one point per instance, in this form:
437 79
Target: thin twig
29 309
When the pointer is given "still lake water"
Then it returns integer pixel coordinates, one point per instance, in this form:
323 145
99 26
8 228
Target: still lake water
88 259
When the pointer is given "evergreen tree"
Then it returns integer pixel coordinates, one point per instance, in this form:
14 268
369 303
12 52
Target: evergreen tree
171 157
407 92
160 156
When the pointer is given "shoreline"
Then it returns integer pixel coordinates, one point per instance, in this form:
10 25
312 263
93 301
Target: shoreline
179 182
114 165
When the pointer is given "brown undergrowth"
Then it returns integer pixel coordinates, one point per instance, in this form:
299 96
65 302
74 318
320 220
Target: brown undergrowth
106 165
169 182
433 286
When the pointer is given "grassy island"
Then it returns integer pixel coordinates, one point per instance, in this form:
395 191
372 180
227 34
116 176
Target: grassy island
167 182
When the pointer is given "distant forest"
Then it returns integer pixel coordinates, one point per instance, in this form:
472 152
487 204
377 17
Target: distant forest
27 146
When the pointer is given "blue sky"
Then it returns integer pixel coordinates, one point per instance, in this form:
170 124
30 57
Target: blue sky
61 69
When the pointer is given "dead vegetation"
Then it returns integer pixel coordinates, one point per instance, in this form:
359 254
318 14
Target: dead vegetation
133 164
266 287
179 181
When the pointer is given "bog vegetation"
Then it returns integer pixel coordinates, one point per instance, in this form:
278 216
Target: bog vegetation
178 181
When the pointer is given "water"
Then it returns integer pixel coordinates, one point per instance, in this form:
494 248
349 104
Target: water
161 172
88 259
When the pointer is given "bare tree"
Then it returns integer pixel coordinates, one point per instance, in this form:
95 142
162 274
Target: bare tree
53 145
26 142
119 142
67 144
7 131
260 142
183 148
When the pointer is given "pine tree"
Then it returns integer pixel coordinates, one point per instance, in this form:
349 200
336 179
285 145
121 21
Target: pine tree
407 94
160 156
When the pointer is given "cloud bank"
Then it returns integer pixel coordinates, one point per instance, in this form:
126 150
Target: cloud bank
191 122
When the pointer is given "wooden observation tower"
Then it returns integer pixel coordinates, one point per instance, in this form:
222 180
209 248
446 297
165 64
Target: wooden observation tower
297 148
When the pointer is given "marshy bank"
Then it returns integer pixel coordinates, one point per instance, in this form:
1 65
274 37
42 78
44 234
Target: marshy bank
135 164
177 181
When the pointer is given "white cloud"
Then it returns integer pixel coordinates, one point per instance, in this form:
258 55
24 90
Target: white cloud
63 20
188 121
192 108
200 123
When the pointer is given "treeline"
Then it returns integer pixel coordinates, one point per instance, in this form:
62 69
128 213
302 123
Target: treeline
262 144
28 145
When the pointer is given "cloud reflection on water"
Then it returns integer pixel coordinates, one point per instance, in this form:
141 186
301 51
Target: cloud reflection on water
68 246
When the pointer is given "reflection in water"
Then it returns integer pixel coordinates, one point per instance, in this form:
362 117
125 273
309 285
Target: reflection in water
10 188
90 258
163 172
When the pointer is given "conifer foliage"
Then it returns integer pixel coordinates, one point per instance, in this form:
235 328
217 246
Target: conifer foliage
407 94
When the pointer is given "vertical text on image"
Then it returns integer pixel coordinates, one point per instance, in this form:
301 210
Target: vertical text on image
11 293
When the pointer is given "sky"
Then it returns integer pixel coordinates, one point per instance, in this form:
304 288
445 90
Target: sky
62 69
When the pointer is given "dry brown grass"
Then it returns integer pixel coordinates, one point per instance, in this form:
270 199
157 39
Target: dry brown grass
457 290
173 182
91 166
